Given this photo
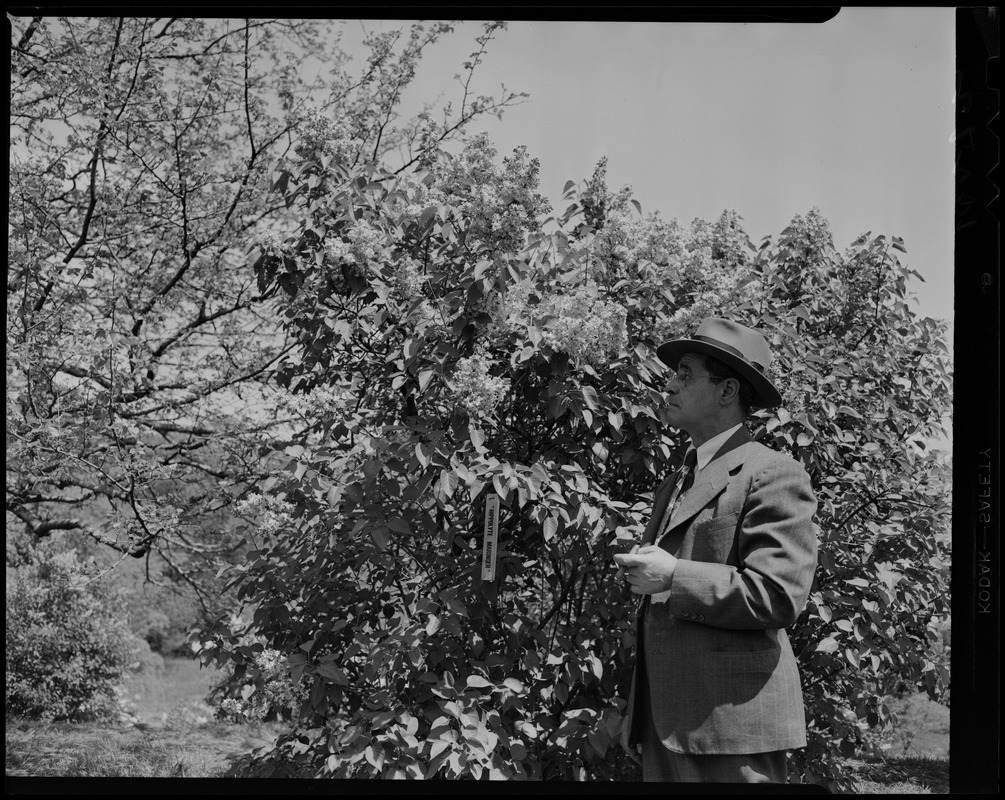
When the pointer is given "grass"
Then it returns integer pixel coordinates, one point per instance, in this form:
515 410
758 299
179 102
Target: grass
902 776
91 750
923 728
171 733
916 755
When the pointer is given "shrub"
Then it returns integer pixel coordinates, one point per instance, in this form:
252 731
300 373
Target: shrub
67 643
151 625
522 364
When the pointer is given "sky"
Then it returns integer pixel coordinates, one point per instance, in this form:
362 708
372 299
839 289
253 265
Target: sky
854 116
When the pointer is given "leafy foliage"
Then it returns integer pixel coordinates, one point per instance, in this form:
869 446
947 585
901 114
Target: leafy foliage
453 343
139 346
425 336
868 384
67 642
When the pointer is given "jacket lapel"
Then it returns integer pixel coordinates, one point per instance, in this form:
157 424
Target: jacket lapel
709 482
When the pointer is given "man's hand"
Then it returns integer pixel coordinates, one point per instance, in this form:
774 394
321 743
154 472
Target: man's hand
649 568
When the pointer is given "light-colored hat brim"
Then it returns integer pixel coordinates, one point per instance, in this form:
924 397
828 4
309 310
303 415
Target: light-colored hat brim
765 394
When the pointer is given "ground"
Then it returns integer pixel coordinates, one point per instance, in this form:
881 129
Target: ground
171 732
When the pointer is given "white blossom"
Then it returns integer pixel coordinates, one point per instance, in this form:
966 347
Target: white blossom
272 514
321 401
589 328
277 691
479 392
408 280
326 136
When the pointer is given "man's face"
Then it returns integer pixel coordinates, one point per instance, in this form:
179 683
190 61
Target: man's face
692 397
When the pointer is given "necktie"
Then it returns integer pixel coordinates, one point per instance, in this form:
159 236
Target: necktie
685 478
687 468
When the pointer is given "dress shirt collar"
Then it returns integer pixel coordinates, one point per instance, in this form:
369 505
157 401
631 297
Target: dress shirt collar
711 447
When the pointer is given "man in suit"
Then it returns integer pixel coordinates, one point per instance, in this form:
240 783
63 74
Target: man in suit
725 565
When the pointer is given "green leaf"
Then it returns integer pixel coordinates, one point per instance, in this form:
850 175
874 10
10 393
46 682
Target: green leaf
478 682
333 673
399 525
318 698
438 747
380 537
427 215
598 741
447 484
477 437
514 685
382 719
374 756
425 376
540 473
502 487
590 398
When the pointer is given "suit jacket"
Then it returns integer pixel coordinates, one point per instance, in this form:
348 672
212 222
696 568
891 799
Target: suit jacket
722 677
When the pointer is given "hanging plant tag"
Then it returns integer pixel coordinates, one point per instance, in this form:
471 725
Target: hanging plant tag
491 537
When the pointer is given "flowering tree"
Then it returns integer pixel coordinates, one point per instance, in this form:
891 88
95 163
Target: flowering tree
139 347
454 342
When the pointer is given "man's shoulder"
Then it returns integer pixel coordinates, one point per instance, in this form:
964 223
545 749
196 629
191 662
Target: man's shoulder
756 450
758 455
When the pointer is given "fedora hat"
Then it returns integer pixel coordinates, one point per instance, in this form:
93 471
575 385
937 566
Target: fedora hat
735 345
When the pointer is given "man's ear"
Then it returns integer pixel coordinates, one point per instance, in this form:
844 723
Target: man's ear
729 391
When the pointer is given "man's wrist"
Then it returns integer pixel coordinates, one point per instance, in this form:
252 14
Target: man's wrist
669 581
664 595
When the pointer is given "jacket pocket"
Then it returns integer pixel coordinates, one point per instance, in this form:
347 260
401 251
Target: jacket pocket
736 678
713 539
737 662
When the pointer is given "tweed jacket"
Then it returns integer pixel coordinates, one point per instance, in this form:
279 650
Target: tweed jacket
722 676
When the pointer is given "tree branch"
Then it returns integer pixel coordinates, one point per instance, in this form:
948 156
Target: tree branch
247 104
93 169
44 528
